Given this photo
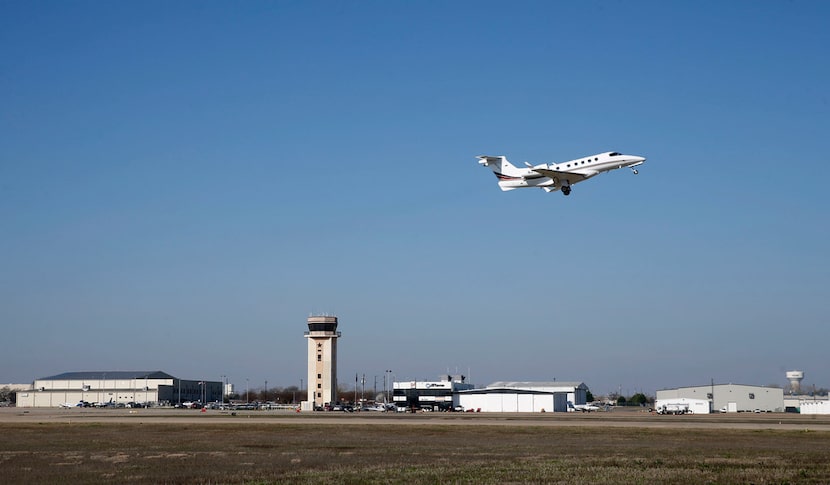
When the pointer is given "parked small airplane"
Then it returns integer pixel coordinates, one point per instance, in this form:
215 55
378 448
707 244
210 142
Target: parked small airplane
585 408
557 176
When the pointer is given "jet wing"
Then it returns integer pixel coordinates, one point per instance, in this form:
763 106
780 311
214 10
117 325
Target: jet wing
557 176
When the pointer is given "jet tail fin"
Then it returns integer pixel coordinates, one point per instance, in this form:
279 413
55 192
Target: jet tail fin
500 166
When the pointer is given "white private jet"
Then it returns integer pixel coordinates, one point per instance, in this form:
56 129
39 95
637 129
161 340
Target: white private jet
557 176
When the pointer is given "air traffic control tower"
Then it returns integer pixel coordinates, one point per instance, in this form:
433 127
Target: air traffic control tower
322 338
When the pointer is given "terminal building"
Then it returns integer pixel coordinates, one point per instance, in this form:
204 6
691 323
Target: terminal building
437 395
114 387
733 398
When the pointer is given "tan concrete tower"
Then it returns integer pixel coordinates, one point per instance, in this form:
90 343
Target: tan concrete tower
322 338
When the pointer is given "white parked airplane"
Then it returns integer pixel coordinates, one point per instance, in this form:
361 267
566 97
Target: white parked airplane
557 176
585 408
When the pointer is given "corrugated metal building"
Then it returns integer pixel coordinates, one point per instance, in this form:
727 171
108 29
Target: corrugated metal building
732 397
523 397
117 387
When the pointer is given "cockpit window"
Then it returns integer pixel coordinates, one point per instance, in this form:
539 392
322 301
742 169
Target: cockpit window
614 154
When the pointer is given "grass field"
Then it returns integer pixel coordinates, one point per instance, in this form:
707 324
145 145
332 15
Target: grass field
265 452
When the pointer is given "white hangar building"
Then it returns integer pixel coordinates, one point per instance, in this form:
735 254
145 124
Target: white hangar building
731 397
523 397
115 387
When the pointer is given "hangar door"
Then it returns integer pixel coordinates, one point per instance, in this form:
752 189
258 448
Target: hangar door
526 403
493 403
509 403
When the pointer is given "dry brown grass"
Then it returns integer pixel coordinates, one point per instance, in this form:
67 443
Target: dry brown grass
375 453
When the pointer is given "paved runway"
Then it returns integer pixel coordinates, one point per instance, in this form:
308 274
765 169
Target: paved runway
618 418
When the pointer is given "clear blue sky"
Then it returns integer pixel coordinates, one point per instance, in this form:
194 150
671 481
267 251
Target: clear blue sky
183 183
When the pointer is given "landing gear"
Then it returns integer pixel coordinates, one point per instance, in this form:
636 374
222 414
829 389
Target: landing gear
566 189
635 171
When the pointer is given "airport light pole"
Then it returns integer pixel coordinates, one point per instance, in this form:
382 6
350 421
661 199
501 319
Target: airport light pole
390 384
246 390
